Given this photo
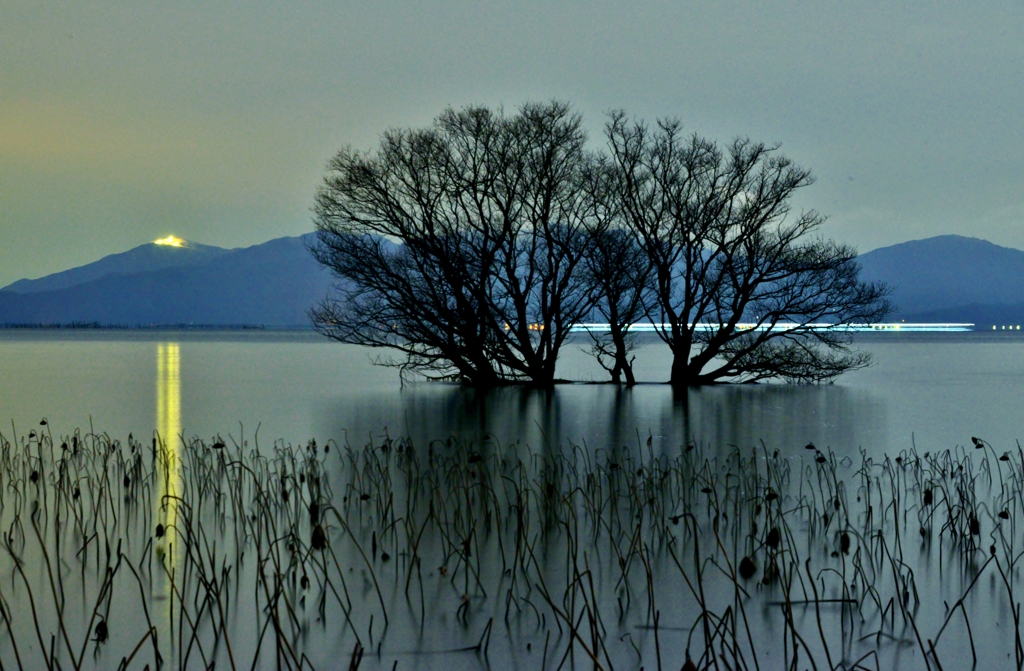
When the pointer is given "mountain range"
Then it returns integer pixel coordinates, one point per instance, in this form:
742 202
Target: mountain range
948 278
271 284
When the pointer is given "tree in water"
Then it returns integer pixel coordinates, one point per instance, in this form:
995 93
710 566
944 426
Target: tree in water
461 245
742 292
473 246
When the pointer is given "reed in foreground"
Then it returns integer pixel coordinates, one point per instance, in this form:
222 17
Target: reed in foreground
202 554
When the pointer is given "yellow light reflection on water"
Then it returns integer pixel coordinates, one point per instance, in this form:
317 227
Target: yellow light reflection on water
168 432
168 392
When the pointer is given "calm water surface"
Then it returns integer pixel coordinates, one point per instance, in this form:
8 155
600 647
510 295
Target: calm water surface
932 391
935 390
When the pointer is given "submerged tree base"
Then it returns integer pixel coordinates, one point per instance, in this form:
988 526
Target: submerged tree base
204 553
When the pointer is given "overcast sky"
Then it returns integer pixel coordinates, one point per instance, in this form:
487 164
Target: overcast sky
122 122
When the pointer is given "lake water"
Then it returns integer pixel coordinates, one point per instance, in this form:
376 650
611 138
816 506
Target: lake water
935 390
930 391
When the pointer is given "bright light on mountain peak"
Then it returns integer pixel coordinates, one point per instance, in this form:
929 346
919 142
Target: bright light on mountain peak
171 241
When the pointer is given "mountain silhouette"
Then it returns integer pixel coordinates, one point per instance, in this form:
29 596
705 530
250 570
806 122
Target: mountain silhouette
271 284
948 278
144 258
951 278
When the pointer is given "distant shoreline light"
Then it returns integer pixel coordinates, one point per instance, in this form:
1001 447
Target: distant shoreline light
891 327
171 241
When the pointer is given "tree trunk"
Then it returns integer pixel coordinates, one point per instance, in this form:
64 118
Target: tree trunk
683 373
619 343
623 365
680 369
616 371
542 371
627 368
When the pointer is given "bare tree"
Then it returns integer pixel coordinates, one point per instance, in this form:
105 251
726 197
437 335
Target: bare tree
460 245
621 275
742 290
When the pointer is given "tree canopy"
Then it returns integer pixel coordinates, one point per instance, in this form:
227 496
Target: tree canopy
743 290
473 246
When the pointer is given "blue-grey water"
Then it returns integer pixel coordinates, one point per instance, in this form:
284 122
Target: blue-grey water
932 390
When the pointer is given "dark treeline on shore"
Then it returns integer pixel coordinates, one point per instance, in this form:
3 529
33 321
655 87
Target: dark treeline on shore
472 247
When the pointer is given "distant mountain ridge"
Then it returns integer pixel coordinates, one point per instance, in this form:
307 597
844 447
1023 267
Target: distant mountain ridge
951 278
271 284
948 278
144 258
